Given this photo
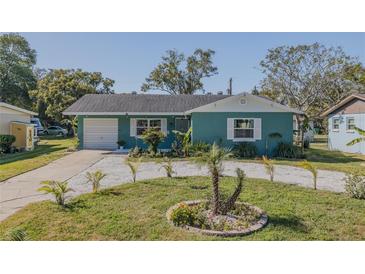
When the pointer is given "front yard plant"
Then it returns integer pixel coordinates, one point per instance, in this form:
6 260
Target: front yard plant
95 178
153 137
269 167
133 165
218 216
57 189
138 212
312 169
5 143
289 151
245 150
355 186
168 167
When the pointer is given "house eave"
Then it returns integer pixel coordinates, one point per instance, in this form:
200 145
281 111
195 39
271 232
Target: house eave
2 104
123 113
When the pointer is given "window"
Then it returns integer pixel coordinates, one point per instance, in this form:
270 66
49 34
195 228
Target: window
350 123
182 124
243 128
144 124
336 124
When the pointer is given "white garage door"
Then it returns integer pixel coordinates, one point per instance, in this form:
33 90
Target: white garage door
100 133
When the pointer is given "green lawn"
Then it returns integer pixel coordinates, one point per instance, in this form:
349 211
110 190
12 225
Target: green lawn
48 150
137 212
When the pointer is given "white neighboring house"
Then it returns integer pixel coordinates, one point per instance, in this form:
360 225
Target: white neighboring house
342 119
11 118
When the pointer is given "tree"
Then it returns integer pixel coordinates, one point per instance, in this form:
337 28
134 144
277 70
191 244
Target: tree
356 74
177 74
309 78
213 159
57 89
16 69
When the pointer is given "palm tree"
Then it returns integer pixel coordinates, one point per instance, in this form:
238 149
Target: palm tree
167 165
57 189
213 159
359 139
133 166
312 169
269 166
94 179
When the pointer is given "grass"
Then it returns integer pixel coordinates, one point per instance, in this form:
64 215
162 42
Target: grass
48 150
137 211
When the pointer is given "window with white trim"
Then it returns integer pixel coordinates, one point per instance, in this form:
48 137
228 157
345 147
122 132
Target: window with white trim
143 124
243 128
335 124
350 123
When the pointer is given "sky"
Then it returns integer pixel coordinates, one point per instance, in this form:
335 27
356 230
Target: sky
128 58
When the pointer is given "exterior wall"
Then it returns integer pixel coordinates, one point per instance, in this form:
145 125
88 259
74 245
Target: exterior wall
124 129
211 127
337 140
9 115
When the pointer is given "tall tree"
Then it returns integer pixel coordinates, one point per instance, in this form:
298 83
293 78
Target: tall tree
307 77
59 88
16 69
177 74
356 74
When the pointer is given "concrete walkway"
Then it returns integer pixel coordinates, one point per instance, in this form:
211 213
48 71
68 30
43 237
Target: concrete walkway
118 173
21 190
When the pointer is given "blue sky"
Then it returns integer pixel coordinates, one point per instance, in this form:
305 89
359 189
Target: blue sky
128 58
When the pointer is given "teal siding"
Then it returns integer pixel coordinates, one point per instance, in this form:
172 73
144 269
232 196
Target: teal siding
211 127
124 129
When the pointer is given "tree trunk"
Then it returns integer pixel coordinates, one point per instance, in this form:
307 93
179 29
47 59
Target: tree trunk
232 200
215 183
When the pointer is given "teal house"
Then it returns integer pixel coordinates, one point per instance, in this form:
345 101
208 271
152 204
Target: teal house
225 119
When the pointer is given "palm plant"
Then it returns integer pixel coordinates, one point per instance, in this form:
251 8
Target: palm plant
167 166
17 234
312 169
133 166
57 189
213 159
269 166
184 140
359 139
94 178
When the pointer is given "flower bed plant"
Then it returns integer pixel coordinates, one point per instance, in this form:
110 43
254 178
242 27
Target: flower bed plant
196 216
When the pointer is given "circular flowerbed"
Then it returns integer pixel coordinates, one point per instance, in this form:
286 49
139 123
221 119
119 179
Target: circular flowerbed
196 216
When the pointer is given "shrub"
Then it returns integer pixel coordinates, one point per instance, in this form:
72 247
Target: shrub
57 189
183 215
355 186
181 146
135 152
286 150
94 179
121 143
153 138
245 150
197 149
5 143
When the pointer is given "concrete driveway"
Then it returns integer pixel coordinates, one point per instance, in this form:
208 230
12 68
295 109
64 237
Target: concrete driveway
21 190
117 172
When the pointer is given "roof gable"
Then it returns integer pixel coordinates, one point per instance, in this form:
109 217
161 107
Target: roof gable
244 102
345 102
17 109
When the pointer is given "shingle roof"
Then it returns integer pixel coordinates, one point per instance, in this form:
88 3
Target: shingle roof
146 103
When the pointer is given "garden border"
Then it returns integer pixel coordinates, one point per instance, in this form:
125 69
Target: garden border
262 222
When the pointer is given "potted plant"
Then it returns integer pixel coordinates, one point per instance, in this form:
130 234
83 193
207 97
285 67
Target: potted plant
121 144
